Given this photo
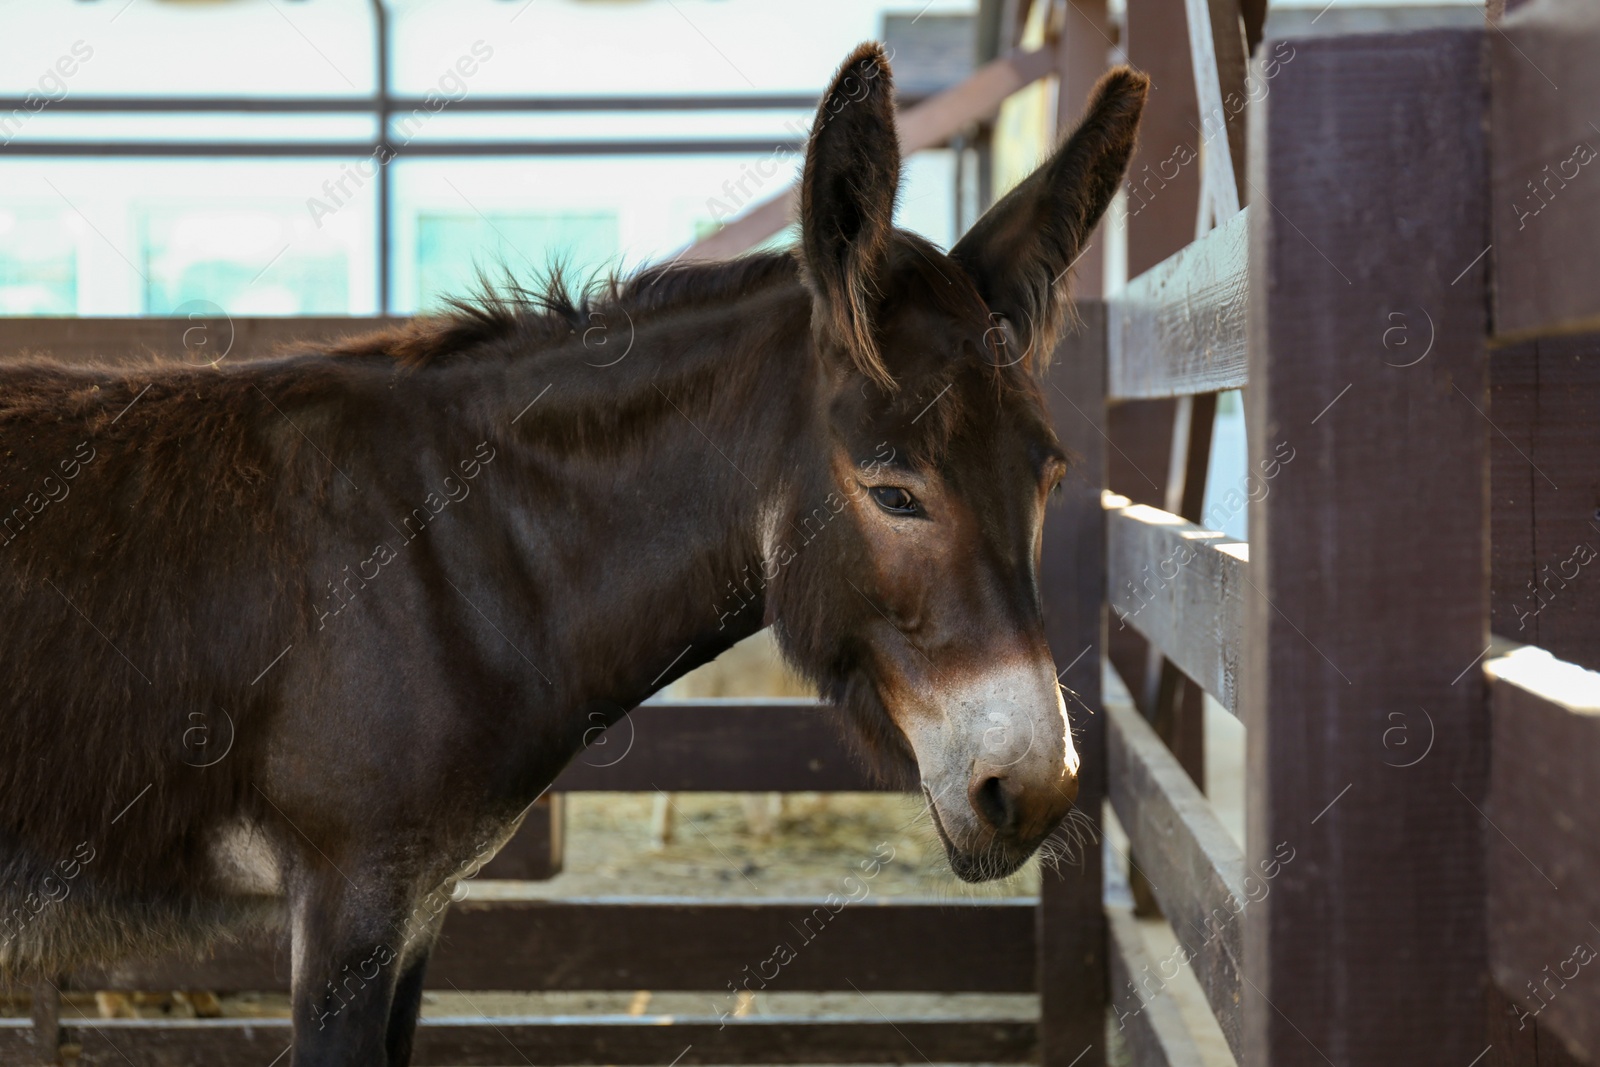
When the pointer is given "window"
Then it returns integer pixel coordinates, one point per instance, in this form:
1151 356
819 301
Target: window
248 259
453 248
38 263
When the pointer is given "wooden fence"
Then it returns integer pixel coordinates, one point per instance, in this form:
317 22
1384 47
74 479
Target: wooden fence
1418 884
1416 340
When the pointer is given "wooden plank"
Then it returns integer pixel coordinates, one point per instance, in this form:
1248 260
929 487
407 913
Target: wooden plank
1178 703
1194 867
1216 52
1071 931
1180 326
44 1010
1545 483
1513 1042
1147 1017
674 944
1544 868
1369 555
1545 168
642 1040
1170 700
1516 1038
1082 48
720 745
206 336
1181 586
1513 493
1253 13
1139 436
1162 189
926 125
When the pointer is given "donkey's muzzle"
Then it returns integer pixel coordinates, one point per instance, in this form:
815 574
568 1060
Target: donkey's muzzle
1017 813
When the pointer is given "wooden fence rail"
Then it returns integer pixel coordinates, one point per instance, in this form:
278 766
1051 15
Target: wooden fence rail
1192 863
521 940
1544 865
1179 328
632 1040
1181 586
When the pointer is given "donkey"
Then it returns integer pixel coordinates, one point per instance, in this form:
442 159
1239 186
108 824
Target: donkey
293 643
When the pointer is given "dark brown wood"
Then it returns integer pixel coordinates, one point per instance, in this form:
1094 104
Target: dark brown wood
1544 488
1513 1041
1554 1053
647 1042
207 335
1516 1039
1545 168
537 851
1071 931
1163 182
1217 54
1368 557
1513 493
1139 437
1190 464
44 1011
1082 46
676 943
1193 865
1183 587
1144 1012
643 1040
1179 327
733 745
1173 702
1180 721
1254 15
1544 868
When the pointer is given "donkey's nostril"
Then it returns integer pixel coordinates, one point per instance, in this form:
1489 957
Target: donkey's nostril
993 802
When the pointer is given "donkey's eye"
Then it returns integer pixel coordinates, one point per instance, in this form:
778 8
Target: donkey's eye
894 500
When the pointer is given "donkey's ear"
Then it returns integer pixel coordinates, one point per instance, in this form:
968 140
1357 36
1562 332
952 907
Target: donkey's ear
847 205
1019 252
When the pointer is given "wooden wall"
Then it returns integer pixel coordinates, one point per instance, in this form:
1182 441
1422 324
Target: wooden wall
1544 449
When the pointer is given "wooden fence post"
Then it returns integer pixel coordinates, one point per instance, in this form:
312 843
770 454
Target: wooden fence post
1073 964
1363 695
45 1013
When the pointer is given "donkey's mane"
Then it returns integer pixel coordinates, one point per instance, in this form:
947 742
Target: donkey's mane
506 319
503 314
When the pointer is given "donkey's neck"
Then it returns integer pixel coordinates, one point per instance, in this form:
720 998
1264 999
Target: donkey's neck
655 470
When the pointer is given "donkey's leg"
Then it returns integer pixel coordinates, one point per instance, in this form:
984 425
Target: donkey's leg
348 945
407 1003
406 1007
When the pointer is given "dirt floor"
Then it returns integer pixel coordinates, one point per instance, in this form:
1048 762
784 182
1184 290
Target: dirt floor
817 841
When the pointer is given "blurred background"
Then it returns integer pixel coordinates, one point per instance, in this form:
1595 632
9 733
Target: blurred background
156 152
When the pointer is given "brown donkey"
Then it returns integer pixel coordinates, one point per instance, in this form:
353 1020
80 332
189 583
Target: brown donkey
392 585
